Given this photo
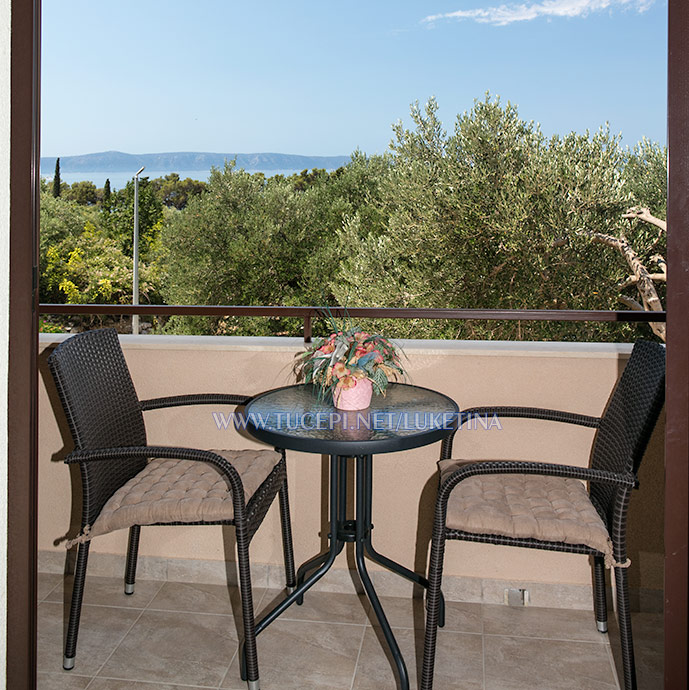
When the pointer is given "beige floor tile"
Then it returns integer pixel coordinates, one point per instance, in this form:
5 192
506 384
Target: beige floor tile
109 591
187 638
296 655
200 598
527 621
100 631
518 663
647 629
173 647
649 649
321 606
403 612
459 661
61 681
649 671
47 583
112 684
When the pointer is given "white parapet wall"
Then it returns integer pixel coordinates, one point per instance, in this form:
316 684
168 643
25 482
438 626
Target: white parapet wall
577 377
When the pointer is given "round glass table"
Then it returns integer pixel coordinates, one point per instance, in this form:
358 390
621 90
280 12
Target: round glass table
295 418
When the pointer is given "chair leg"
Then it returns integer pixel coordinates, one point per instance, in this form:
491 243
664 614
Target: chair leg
75 607
624 621
287 547
433 599
132 555
250 657
600 602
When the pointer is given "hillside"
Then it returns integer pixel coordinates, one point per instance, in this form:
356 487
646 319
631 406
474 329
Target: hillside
116 161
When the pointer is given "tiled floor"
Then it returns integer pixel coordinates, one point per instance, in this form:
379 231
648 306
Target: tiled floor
170 636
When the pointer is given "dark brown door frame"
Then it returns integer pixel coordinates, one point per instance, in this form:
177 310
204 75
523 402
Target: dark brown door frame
23 346
22 394
677 401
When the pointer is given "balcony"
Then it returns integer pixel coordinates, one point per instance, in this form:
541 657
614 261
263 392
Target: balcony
551 643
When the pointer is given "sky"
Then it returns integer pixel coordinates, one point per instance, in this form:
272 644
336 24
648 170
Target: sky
323 78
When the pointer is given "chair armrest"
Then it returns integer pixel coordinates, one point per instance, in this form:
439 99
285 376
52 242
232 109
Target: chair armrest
194 399
533 413
627 480
167 452
521 412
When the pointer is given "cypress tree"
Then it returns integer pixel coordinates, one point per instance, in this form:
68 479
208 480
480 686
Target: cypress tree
56 179
106 194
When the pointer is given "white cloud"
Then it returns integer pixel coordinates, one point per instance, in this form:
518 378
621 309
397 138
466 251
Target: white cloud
507 14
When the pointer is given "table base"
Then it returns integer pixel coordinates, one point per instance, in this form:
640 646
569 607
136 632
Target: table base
358 531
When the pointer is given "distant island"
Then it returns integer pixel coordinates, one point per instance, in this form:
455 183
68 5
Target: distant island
116 161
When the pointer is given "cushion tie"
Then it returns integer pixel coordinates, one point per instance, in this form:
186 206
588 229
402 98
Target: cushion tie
611 563
81 538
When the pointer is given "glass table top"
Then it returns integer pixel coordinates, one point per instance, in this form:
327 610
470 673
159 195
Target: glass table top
406 417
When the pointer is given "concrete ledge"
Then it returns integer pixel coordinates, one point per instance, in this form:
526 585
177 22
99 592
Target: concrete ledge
474 348
507 348
191 342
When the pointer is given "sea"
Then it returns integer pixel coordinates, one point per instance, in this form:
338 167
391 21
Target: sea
118 180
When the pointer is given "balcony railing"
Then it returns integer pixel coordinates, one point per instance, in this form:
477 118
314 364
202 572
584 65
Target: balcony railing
310 313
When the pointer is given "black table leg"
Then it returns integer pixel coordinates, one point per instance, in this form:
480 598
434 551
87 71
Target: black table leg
328 559
363 532
342 531
338 476
384 560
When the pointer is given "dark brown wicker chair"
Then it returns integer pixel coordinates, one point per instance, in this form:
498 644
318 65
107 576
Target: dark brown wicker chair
121 474
468 493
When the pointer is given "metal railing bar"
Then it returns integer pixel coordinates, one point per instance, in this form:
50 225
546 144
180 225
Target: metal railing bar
309 313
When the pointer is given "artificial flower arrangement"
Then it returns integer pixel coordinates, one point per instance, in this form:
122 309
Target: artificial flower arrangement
349 365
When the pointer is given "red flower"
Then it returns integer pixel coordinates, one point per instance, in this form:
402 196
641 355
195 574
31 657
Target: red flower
340 371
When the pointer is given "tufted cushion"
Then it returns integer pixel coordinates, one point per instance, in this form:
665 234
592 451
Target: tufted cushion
183 491
525 506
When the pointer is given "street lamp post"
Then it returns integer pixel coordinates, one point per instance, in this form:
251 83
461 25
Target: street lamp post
135 289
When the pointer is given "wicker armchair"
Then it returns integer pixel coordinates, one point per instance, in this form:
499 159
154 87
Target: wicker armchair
127 483
546 506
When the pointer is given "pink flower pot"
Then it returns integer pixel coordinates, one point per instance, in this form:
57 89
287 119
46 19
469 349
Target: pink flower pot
357 398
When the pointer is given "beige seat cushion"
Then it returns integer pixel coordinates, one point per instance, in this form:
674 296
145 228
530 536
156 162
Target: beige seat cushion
183 491
525 506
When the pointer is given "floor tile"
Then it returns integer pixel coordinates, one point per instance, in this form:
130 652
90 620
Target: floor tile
459 661
649 649
648 629
528 621
648 634
61 681
295 655
519 663
201 598
173 647
47 583
404 612
113 684
109 591
100 631
321 606
187 638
